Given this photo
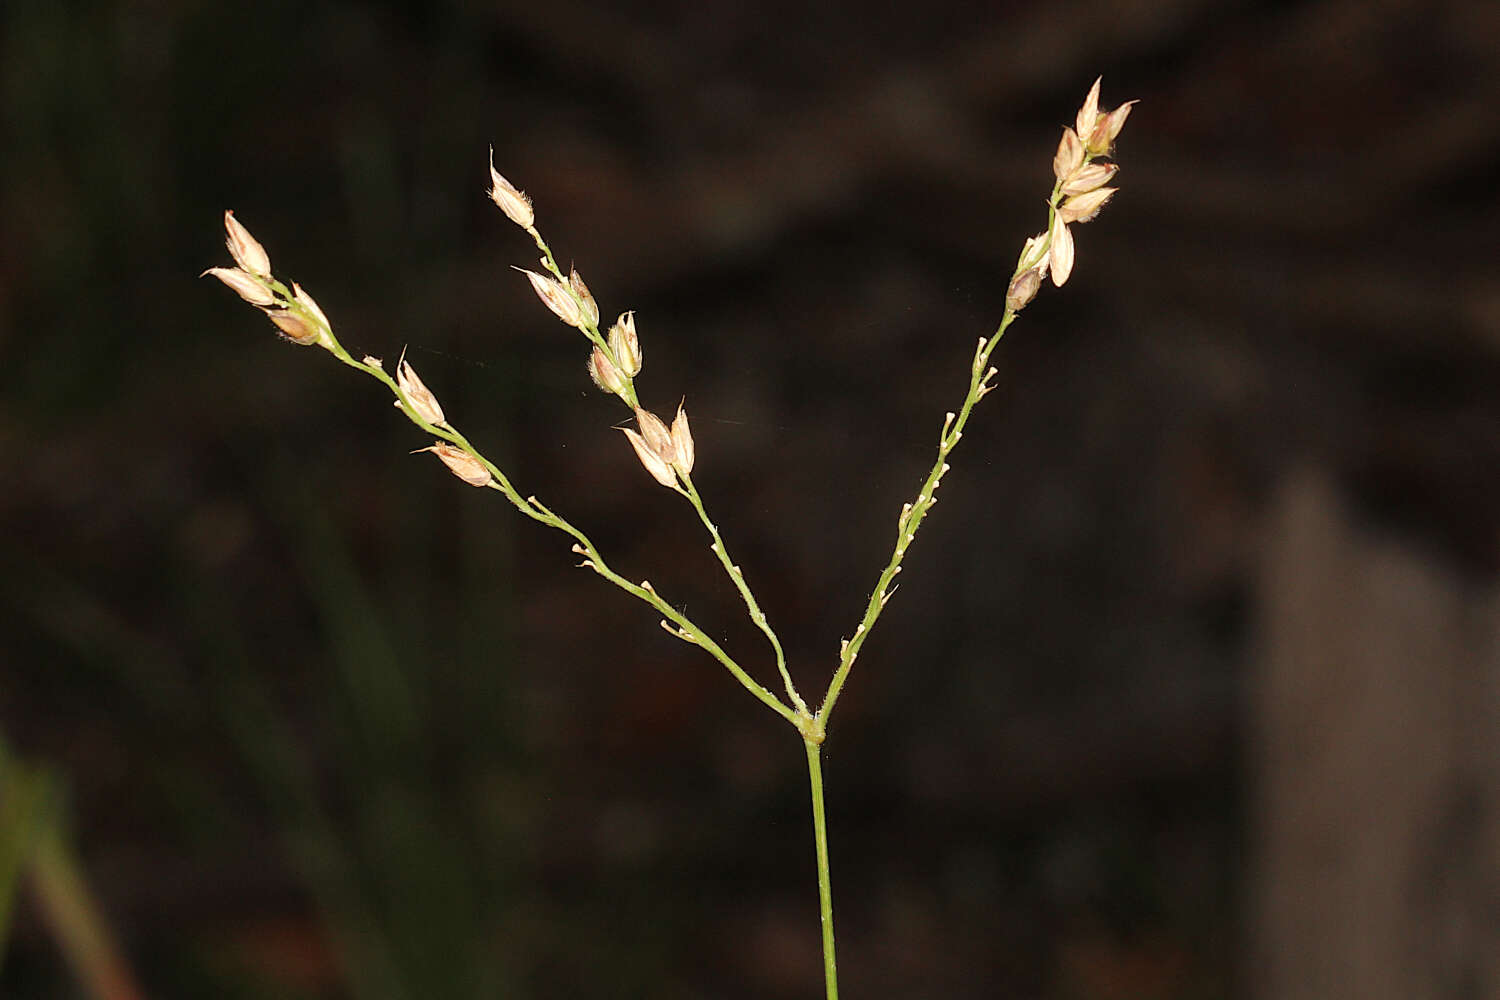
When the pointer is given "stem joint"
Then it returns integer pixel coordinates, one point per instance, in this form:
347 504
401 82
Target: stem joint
810 726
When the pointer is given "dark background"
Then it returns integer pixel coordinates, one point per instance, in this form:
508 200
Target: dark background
335 725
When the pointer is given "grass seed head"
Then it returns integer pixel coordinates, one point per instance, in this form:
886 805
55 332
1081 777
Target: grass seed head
1023 289
605 375
1102 139
585 297
421 398
555 297
246 286
682 441
244 248
462 464
1089 177
660 468
508 198
1061 254
1082 208
295 326
625 345
1069 155
1088 114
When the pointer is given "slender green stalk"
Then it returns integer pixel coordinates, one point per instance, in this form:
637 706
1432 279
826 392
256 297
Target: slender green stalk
980 374
685 630
825 884
756 614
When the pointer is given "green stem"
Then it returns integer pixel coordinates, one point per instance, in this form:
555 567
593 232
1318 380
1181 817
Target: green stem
980 374
685 630
825 885
738 577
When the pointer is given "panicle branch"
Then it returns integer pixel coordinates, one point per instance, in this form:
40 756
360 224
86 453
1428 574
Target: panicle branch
292 310
1077 196
615 359
666 452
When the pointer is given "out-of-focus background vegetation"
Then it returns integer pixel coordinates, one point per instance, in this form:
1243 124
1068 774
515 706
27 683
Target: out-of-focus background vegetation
1190 689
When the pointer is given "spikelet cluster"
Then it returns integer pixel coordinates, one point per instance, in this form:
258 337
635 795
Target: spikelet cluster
615 358
1082 189
293 311
663 452
302 321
